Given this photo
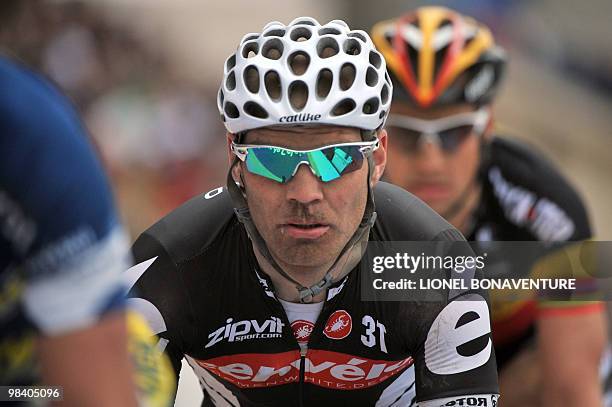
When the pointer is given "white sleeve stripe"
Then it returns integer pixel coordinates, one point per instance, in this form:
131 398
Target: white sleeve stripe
73 299
401 388
219 394
150 312
133 274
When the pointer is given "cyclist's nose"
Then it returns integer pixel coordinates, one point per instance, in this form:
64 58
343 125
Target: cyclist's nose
430 157
304 187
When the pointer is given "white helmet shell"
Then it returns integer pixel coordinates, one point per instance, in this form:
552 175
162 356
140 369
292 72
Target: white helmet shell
305 73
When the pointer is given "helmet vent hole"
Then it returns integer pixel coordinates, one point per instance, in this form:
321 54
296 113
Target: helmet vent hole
250 50
446 22
230 81
352 47
384 94
273 49
355 34
327 47
382 114
371 106
221 97
300 34
250 38
230 63
299 62
389 39
347 76
468 42
343 107
298 95
375 59
251 78
272 84
255 110
324 83
304 22
231 110
328 30
371 77
279 32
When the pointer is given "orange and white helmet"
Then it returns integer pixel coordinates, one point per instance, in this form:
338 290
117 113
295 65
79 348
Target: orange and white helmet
438 57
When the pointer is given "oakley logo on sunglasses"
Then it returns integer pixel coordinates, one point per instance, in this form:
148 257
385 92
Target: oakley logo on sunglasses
302 117
326 163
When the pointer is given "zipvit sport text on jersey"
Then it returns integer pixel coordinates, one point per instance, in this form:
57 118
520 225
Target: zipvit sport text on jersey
247 329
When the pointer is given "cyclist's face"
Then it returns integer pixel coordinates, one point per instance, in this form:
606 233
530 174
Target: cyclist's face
436 176
306 222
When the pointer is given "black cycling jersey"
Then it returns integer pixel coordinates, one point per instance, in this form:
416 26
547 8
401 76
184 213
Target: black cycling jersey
524 198
198 281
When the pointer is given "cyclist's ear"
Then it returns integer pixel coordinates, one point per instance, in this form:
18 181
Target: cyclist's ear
488 133
234 163
230 156
379 158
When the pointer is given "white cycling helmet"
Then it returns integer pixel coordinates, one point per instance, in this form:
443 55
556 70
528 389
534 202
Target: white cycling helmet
305 73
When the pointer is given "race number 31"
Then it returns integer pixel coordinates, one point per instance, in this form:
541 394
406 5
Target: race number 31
374 330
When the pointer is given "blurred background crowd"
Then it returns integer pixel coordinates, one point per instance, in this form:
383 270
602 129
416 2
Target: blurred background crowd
144 75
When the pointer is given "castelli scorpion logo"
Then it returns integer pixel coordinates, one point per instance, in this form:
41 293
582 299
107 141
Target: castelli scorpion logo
339 325
302 330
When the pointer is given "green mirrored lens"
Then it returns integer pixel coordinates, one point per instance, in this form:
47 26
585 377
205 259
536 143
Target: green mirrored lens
273 163
330 164
280 164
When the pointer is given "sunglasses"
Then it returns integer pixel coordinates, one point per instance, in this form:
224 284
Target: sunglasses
326 163
448 133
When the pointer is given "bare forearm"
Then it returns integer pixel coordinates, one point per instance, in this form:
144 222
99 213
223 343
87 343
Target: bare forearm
92 365
570 352
582 392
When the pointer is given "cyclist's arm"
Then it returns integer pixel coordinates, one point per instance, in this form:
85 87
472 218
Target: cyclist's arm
456 362
571 346
454 358
156 293
74 297
92 364
571 334
72 264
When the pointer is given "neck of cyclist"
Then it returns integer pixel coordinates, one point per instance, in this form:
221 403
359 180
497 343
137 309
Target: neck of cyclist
307 276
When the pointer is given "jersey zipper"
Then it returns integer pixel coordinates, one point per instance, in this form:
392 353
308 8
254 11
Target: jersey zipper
302 375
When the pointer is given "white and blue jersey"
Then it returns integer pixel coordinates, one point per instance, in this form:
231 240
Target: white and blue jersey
61 246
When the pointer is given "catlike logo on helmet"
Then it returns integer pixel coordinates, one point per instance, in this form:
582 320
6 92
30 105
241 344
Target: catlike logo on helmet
339 325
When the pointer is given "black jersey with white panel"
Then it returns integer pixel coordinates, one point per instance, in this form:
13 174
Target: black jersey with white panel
198 281
524 198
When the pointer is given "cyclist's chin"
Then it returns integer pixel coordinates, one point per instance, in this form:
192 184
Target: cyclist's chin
309 253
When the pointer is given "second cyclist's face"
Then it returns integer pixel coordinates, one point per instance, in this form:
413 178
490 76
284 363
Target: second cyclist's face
306 222
437 177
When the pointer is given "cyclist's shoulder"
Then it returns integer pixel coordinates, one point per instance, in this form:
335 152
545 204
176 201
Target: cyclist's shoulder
41 138
525 164
519 176
41 134
403 216
24 90
189 229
